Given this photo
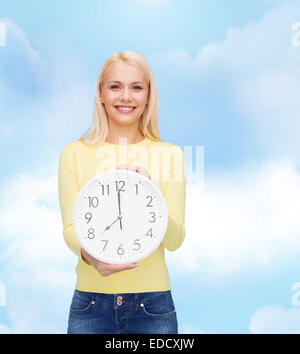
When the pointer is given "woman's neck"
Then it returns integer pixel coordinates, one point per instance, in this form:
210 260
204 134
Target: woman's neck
124 139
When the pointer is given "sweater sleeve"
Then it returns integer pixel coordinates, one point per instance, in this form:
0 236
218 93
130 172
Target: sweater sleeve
175 195
68 190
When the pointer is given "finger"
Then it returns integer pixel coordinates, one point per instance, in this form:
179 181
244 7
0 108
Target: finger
143 171
137 169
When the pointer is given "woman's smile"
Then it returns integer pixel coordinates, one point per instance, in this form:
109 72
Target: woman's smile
125 109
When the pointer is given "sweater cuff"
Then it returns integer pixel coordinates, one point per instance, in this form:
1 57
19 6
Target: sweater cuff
84 260
175 233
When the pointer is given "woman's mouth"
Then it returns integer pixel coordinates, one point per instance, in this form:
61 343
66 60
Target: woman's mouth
125 109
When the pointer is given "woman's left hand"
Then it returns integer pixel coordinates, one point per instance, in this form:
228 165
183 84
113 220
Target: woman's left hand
138 169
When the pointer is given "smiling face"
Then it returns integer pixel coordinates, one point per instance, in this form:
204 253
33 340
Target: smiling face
124 94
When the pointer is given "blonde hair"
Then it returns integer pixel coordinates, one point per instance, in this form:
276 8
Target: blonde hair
148 123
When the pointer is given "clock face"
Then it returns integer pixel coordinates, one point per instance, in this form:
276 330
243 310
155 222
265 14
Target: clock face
120 216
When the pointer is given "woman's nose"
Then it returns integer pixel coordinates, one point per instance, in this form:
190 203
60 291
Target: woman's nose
125 94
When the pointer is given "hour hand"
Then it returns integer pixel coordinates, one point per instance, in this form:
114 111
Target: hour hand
109 226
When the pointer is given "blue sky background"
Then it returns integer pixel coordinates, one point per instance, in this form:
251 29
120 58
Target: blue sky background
228 80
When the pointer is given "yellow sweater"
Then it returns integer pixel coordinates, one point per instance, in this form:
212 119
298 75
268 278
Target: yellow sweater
164 161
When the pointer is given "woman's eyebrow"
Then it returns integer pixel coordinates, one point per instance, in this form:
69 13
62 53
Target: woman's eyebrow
135 82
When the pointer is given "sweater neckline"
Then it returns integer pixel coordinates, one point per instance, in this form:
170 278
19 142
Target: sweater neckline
142 142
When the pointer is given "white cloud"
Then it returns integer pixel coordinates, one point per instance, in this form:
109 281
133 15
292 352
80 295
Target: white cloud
31 223
275 320
20 63
37 262
256 68
52 96
241 221
20 42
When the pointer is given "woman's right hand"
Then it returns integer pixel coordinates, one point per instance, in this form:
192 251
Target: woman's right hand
106 269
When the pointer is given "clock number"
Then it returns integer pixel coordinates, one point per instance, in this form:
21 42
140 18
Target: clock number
105 244
93 202
149 204
91 234
136 189
137 243
149 233
153 216
88 216
117 186
120 250
103 189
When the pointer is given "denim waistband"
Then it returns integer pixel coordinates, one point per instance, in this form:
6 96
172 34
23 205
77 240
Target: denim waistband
124 298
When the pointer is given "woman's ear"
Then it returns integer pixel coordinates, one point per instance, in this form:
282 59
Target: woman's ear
100 94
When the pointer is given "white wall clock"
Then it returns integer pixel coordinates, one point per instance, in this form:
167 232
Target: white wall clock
120 216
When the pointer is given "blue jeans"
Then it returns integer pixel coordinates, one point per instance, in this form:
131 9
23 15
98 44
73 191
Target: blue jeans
137 313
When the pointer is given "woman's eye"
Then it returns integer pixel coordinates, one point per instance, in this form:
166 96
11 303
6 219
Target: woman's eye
114 87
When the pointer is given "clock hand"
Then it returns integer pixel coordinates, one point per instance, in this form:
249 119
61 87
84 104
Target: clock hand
108 227
119 204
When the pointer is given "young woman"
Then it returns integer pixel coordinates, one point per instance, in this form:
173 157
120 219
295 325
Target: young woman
129 298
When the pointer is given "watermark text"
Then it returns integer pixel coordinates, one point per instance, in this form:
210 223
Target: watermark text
163 162
2 295
296 295
296 35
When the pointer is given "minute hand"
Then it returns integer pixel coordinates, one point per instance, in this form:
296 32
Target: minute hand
119 204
